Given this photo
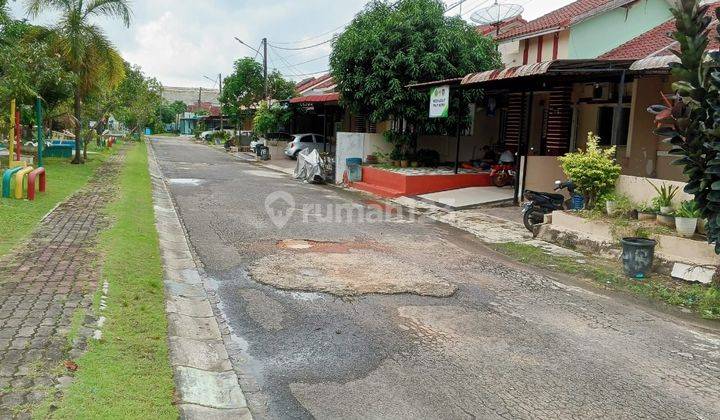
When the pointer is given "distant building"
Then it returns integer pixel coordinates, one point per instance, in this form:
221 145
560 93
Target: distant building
191 95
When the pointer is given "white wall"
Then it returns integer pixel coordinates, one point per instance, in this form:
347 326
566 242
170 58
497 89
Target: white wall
640 191
356 145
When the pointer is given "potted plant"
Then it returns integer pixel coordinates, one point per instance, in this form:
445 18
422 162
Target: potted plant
611 203
686 218
646 212
702 226
404 162
396 156
664 198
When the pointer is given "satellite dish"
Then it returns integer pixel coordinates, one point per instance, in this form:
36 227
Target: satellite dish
496 14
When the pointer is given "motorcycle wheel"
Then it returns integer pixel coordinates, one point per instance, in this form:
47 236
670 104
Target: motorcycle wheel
532 218
501 180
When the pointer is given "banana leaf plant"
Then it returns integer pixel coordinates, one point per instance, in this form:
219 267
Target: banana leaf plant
689 120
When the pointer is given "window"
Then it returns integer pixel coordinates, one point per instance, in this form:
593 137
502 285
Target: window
605 122
306 139
319 139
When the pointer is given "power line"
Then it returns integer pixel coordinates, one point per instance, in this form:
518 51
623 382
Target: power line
303 48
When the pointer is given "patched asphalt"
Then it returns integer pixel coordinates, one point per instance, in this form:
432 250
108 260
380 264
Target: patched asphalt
509 343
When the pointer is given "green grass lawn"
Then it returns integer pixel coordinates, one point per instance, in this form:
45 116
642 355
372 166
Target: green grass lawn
19 217
127 374
705 300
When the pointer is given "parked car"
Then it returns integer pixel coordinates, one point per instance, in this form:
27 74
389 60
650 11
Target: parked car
301 142
206 135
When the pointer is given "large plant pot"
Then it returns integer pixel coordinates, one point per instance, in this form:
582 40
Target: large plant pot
644 217
686 226
666 220
404 163
638 256
702 226
611 207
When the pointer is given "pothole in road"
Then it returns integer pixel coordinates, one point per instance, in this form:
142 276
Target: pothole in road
350 271
324 247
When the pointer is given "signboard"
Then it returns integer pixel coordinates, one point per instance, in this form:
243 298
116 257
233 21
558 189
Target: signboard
440 102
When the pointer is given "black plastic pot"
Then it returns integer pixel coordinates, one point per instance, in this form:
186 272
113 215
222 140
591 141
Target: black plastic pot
638 256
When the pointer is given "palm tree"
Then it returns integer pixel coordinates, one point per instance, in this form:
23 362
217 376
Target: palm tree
87 52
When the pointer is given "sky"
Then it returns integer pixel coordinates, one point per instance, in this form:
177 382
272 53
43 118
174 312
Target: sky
187 42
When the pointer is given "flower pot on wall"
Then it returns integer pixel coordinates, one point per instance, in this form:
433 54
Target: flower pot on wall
644 216
404 163
686 226
666 220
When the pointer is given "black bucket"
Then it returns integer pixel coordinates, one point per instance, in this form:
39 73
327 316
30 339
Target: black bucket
638 256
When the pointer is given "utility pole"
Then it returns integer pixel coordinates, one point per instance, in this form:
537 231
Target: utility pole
265 69
221 110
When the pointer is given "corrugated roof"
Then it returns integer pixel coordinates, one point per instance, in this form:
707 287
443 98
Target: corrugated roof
328 97
564 17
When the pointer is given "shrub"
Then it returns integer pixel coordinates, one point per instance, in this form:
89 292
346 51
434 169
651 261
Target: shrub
428 158
594 171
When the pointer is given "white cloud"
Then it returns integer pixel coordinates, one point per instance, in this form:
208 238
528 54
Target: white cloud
180 41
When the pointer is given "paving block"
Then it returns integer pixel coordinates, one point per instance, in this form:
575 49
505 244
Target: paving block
691 273
195 328
205 355
209 389
194 307
189 411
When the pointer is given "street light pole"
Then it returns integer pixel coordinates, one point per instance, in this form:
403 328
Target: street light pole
220 102
265 68
265 60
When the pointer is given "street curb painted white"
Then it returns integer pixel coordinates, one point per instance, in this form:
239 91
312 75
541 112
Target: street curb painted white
206 384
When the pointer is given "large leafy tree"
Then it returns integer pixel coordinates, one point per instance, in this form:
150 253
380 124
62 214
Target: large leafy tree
692 123
243 89
387 47
87 52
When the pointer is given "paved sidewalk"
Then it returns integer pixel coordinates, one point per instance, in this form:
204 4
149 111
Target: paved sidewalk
44 283
206 384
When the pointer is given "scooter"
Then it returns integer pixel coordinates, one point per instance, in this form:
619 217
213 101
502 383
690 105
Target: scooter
541 203
502 175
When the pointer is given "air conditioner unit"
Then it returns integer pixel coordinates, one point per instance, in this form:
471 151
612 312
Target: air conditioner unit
600 91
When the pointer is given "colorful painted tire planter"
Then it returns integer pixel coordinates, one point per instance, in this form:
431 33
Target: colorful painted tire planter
14 183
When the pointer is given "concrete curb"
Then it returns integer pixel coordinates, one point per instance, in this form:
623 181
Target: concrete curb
206 384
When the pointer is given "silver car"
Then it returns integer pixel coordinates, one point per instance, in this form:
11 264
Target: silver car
306 141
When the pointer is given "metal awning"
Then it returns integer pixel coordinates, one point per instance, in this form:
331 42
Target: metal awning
313 99
556 68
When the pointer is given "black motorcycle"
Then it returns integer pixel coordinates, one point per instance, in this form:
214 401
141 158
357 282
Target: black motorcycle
541 203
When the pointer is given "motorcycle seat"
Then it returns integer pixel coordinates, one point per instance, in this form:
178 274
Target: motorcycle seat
556 198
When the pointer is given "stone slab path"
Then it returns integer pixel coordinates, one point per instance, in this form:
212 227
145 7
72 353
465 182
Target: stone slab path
206 384
43 284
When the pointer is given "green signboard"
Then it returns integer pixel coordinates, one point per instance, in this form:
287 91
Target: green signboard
440 102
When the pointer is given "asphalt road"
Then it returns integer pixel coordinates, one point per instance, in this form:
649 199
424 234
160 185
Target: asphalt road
509 343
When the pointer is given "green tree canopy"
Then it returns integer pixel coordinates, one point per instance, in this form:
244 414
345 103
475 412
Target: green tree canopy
83 46
243 89
387 47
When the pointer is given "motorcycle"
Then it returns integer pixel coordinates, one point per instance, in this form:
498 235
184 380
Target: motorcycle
502 175
541 203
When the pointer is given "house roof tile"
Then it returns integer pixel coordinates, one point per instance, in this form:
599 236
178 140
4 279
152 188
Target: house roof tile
564 17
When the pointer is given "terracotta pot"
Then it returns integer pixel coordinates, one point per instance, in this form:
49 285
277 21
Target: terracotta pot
396 163
404 163
686 226
666 220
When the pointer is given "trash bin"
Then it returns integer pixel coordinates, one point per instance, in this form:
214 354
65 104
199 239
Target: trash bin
263 152
577 202
638 256
354 169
